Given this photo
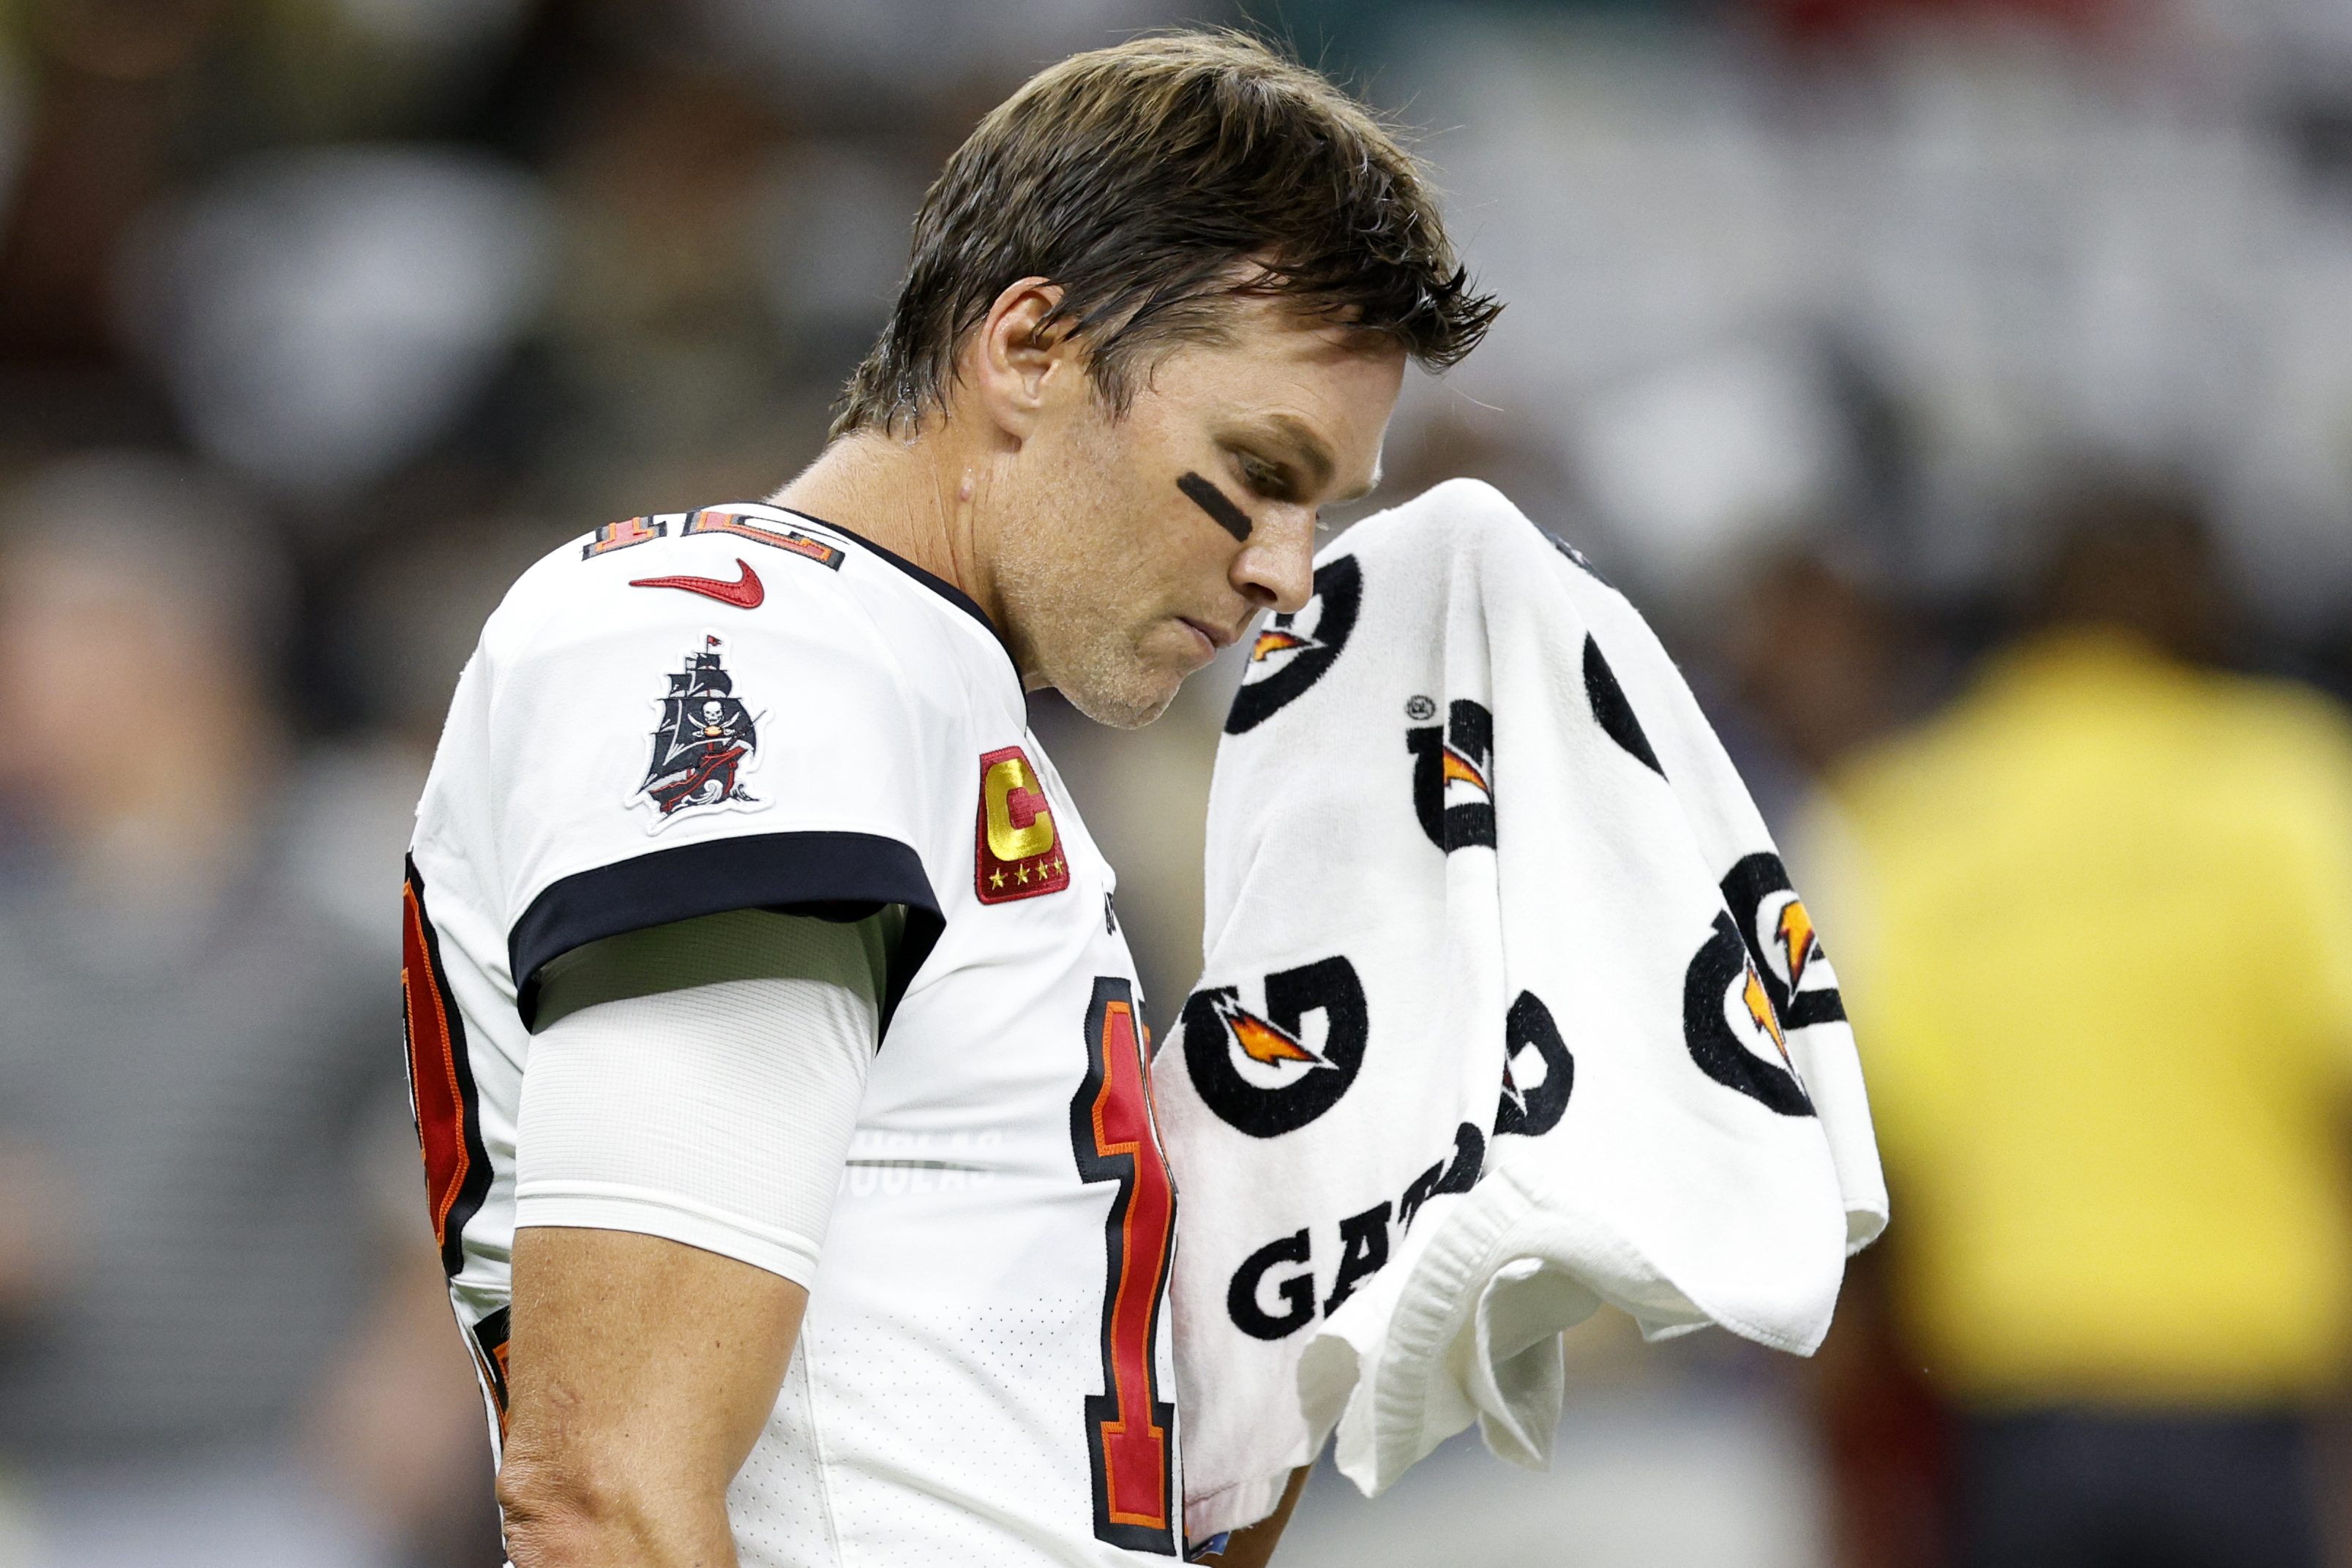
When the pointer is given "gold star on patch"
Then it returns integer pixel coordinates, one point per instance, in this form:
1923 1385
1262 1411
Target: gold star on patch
996 879
1023 872
1058 867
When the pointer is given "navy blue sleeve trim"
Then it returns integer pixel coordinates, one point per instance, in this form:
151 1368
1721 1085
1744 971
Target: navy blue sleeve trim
826 875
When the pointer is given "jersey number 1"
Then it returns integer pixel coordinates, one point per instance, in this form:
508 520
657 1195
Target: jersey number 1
1131 1429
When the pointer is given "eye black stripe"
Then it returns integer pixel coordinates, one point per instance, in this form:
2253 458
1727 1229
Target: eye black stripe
1216 503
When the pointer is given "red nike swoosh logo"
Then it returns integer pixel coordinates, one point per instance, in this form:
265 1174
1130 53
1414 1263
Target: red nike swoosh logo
745 592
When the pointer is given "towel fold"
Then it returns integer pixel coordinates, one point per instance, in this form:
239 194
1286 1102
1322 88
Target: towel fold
1508 1009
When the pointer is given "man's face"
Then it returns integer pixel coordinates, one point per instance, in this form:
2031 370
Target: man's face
1131 548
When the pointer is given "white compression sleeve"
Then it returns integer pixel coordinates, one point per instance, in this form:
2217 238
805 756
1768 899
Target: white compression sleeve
717 1115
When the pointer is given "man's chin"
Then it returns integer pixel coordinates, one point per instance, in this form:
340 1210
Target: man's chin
1125 703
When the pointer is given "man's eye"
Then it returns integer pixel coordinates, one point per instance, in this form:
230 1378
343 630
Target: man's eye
1267 480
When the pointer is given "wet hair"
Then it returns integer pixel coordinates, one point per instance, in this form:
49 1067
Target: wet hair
1154 184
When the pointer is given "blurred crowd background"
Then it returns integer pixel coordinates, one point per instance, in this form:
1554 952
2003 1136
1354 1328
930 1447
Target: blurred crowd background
1964 388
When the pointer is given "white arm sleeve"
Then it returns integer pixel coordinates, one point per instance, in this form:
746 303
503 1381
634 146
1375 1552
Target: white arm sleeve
716 1113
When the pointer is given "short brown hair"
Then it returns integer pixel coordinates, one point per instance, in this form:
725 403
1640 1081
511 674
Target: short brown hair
1144 180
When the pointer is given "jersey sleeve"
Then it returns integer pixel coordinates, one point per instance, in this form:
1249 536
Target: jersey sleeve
653 758
717 1113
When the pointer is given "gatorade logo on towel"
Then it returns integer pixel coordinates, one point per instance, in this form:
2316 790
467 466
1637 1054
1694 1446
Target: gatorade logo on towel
1271 1069
1293 651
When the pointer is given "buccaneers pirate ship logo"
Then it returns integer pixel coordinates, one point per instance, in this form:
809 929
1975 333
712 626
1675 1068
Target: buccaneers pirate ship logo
707 740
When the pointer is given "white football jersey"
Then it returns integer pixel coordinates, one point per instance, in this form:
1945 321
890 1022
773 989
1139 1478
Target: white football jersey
744 708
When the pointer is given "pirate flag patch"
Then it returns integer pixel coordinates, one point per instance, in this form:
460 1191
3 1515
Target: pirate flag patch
706 741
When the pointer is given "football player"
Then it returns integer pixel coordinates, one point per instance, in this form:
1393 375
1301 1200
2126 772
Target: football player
778 1060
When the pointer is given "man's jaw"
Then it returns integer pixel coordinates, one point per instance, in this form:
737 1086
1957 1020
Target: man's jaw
1125 682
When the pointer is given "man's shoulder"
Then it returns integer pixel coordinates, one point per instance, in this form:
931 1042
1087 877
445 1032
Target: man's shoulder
726 718
757 577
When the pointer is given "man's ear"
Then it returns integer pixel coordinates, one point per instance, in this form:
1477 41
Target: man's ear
1017 362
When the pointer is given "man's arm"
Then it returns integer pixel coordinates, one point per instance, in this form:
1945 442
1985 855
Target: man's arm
640 1373
688 1102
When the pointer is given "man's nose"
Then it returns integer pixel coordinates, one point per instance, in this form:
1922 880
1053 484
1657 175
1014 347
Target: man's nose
1276 570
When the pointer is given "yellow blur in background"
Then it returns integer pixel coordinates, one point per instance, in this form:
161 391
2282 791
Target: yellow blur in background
2103 960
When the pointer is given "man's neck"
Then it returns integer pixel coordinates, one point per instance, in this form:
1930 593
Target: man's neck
918 500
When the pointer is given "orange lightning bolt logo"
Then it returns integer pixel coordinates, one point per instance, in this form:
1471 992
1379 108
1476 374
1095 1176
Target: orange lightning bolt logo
1797 940
1270 642
1260 1040
1760 1008
1457 766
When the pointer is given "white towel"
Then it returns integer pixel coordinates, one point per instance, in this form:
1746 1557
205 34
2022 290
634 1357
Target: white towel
1508 1009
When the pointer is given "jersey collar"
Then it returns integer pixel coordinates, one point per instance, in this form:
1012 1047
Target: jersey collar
932 580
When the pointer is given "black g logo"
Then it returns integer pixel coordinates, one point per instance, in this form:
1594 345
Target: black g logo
1734 1034
1538 1073
1267 1074
1453 777
1779 934
1293 651
1758 976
